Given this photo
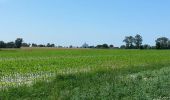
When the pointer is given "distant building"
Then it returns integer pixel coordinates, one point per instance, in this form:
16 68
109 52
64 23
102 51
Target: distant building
85 45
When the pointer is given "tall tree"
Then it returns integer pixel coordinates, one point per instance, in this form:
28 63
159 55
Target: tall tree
138 41
18 42
2 44
129 40
126 40
162 43
169 44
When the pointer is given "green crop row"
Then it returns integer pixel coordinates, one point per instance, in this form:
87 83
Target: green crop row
84 74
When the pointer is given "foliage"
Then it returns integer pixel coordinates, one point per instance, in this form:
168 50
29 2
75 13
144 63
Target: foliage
129 40
26 45
133 42
162 43
10 45
2 44
18 42
138 41
104 46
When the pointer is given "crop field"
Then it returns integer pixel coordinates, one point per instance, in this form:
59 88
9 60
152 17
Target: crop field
84 74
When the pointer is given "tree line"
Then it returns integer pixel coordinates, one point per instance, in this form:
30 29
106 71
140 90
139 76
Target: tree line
13 44
136 43
18 43
131 42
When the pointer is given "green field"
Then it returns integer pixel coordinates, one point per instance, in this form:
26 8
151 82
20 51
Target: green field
84 74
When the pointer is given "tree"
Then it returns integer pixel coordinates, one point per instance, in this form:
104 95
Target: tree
122 46
158 45
70 46
41 45
169 44
162 43
105 46
129 40
111 46
99 46
91 46
48 45
138 41
2 44
34 45
18 42
146 46
25 45
52 45
126 40
10 45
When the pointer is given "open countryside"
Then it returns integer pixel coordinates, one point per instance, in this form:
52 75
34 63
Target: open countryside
84 74
84 50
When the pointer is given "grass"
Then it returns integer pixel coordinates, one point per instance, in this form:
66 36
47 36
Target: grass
76 74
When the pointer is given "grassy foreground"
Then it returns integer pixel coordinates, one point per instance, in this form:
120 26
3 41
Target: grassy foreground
84 74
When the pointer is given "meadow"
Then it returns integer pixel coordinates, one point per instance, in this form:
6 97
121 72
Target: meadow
84 74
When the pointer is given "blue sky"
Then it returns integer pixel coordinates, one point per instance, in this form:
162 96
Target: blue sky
66 22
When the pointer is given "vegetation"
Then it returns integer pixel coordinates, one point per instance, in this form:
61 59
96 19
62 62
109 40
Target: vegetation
130 43
16 44
102 46
163 43
133 42
72 74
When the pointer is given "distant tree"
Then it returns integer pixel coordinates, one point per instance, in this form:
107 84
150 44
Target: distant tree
48 45
122 46
162 43
146 46
52 45
138 41
169 44
18 42
105 46
26 45
99 46
129 40
34 45
10 45
158 45
70 46
91 46
126 40
41 45
111 46
2 44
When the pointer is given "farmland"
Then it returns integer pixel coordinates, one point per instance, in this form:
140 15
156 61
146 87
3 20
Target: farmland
72 74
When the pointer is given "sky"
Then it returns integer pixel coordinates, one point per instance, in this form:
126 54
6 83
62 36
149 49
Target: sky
74 22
